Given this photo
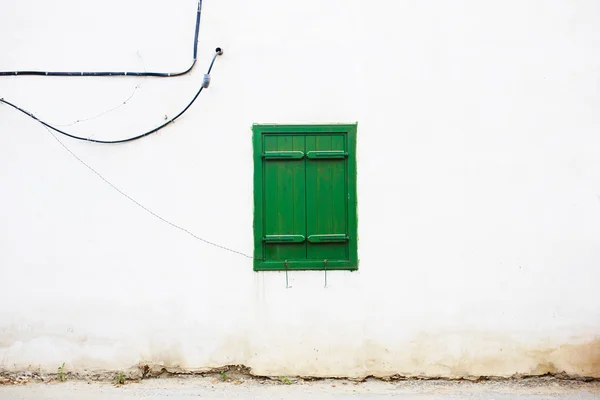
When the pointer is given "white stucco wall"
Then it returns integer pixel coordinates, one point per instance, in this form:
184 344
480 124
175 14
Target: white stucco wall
478 187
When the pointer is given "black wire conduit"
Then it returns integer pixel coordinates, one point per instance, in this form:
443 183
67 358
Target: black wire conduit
218 52
156 74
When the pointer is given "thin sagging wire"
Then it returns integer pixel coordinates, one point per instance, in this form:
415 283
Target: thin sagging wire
149 211
121 104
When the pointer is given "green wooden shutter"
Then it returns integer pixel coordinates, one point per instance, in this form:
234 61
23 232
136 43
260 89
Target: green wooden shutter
284 197
326 197
305 197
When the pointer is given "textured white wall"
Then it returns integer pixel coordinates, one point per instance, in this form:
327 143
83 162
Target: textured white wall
478 187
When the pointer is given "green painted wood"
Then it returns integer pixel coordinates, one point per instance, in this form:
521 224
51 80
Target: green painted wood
299 265
326 197
342 237
339 182
327 154
284 203
313 196
284 238
278 155
257 148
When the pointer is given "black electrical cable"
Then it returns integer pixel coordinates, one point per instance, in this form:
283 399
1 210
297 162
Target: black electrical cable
218 52
156 74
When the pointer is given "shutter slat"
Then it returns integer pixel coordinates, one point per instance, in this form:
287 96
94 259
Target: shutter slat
284 238
283 155
330 238
324 155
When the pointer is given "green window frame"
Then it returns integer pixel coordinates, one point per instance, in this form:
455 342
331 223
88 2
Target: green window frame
305 213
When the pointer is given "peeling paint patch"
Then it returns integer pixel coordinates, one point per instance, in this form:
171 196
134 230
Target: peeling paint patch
450 355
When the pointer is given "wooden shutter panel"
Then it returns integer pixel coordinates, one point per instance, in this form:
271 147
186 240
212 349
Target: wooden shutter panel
284 197
327 197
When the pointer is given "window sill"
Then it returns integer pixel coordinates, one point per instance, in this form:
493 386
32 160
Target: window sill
307 265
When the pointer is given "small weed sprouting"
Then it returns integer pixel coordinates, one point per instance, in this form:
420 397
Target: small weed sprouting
285 380
223 377
61 373
120 378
